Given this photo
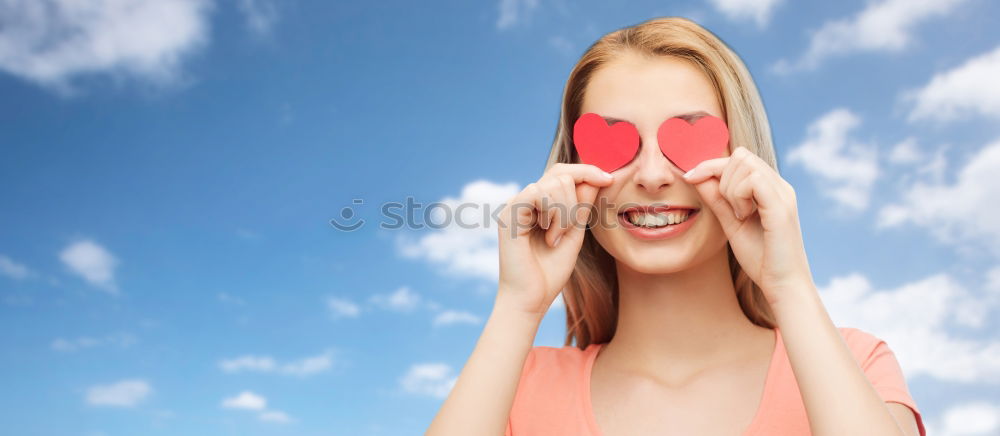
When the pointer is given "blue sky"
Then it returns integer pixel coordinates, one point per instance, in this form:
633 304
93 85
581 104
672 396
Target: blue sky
169 171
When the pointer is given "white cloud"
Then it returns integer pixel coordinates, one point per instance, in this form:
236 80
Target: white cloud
342 308
51 42
905 152
12 269
961 212
275 416
467 245
993 279
977 418
514 11
915 319
882 26
249 363
759 11
969 89
403 300
449 317
309 365
260 15
431 379
844 167
302 367
908 162
69 345
125 393
245 400
93 263
253 402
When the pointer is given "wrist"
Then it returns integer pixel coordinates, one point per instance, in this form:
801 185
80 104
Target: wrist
793 296
508 307
509 328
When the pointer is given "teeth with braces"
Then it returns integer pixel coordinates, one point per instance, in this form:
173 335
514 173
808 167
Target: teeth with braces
657 219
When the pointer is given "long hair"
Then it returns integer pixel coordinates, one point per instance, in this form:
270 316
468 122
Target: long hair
591 295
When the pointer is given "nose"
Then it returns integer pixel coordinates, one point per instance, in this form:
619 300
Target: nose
654 171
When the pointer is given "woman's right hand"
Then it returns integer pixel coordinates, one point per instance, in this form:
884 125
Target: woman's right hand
541 231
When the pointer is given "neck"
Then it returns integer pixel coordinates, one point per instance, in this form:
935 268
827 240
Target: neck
682 319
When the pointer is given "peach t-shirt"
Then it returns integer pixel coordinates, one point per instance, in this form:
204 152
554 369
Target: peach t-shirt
553 394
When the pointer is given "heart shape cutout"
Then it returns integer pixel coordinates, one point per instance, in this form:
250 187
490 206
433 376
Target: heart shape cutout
687 145
607 147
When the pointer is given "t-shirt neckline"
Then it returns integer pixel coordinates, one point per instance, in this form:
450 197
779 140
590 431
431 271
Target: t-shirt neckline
758 418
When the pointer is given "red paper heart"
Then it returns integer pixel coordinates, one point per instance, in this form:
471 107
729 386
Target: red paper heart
607 147
687 145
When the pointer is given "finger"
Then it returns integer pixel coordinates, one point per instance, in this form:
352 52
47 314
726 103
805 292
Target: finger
566 218
768 197
708 190
541 203
520 214
586 195
769 189
557 210
784 189
742 195
730 182
583 173
707 169
544 202
727 175
738 161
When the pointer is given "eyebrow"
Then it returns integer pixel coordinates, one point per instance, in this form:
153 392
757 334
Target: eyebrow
689 117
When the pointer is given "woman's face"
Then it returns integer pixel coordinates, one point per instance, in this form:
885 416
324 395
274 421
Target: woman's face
645 92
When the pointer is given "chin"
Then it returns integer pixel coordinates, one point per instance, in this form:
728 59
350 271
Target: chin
661 257
656 266
657 258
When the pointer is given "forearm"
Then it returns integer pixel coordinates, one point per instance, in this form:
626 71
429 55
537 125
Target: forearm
837 395
481 399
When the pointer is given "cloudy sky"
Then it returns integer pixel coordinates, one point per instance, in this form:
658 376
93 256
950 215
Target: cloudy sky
170 172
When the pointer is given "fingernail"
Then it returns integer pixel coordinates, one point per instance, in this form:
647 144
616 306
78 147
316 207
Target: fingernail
556 242
689 174
607 175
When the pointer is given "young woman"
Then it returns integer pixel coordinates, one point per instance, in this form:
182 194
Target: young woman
712 326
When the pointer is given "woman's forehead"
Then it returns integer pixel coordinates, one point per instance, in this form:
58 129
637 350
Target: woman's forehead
645 89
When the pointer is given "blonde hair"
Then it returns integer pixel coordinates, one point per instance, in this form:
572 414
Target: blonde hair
591 295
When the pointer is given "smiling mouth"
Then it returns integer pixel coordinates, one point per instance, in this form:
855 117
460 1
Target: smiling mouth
657 218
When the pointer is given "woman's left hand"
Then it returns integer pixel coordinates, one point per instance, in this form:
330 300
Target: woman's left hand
758 213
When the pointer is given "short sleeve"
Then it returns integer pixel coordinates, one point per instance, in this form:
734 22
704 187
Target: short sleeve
886 376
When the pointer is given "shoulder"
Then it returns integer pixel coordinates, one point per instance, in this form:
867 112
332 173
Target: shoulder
551 391
561 357
553 365
855 334
864 345
552 372
879 364
882 369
